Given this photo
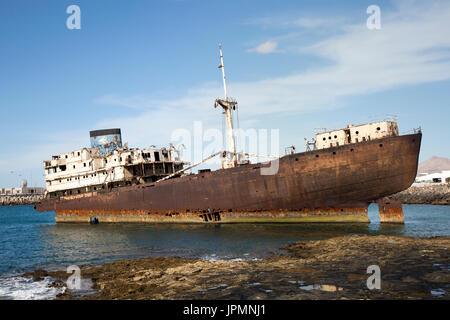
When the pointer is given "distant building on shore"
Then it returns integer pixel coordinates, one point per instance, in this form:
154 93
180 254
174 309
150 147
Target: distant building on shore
440 177
24 190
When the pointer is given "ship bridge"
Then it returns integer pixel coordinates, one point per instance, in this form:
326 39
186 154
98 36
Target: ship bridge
108 164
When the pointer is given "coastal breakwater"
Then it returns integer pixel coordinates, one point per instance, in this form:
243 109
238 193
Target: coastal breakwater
424 193
20 200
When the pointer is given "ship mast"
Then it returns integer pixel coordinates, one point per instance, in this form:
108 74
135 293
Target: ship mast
228 105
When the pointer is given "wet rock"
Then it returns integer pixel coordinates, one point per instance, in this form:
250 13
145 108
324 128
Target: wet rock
37 275
438 277
332 269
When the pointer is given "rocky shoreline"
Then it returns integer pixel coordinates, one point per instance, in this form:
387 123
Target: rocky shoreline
438 194
17 200
325 269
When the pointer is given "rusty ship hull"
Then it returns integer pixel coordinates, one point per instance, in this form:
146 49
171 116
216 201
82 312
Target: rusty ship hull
329 185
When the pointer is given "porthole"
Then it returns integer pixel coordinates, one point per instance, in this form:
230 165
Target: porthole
357 132
324 139
317 155
351 150
329 137
335 137
381 145
378 128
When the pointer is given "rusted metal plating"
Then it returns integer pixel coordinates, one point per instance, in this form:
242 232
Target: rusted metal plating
390 211
339 181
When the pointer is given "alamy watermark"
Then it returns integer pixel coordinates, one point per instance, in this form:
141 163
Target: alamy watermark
374 20
255 145
374 281
74 281
74 20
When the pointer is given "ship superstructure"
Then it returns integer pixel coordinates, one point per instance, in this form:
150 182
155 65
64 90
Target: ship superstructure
355 134
107 165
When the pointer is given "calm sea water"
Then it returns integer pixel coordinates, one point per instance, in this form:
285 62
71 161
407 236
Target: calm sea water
30 240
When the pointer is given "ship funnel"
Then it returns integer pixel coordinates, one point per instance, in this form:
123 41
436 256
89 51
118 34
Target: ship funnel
107 140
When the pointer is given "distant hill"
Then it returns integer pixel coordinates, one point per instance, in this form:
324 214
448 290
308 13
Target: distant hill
434 165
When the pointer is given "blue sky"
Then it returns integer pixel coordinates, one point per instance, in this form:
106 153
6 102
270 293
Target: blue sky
150 67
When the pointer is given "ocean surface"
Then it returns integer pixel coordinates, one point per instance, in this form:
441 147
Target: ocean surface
30 240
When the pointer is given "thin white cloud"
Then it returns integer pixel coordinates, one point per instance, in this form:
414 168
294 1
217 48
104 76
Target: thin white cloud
306 22
285 22
265 48
134 102
412 47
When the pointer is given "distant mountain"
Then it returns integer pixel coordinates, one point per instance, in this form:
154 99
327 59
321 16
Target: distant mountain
434 165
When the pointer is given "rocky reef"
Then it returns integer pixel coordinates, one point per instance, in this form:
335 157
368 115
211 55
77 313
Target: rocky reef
425 193
335 268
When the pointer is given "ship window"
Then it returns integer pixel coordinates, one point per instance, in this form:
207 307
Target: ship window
157 156
351 150
78 153
357 132
66 156
317 155
63 168
74 166
335 137
84 164
381 145
324 139
329 137
120 159
378 128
